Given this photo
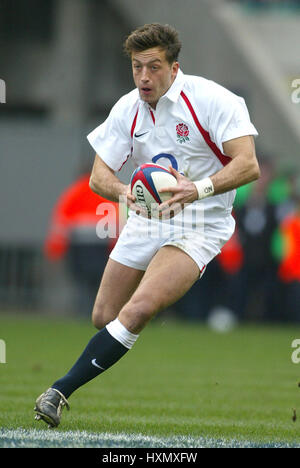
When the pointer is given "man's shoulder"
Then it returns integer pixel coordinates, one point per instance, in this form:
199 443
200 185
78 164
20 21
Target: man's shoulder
206 90
127 103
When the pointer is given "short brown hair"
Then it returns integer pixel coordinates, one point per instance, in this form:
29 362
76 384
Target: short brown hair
154 35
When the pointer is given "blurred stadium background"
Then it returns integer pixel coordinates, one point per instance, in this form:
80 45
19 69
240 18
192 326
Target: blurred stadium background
63 66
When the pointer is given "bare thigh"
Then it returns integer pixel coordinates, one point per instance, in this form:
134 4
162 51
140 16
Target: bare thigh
170 274
117 285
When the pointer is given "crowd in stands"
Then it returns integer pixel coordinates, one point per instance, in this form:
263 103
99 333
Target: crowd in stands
268 4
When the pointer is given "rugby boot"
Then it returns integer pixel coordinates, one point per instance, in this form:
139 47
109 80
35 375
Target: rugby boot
49 406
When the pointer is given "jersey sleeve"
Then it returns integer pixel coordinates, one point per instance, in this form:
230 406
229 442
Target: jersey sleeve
112 140
229 118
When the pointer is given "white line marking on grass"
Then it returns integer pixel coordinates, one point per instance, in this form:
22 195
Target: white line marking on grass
10 438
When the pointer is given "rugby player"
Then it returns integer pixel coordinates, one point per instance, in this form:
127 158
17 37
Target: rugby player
203 133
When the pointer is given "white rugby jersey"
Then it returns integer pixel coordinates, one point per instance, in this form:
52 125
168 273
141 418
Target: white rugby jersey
187 129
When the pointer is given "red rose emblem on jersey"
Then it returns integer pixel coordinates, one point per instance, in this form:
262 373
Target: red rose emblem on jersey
182 131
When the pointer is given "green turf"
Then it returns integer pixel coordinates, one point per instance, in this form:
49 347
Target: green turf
179 380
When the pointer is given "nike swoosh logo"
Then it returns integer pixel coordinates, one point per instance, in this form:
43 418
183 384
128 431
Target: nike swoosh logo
96 365
141 134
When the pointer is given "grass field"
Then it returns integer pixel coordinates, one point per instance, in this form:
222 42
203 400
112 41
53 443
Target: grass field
182 385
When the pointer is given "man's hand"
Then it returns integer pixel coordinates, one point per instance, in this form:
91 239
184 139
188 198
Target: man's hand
130 200
183 193
104 182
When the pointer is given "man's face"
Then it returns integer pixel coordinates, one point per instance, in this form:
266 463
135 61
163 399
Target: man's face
152 74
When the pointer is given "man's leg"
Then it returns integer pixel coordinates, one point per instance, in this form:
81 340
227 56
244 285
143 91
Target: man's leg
169 276
116 288
117 285
106 347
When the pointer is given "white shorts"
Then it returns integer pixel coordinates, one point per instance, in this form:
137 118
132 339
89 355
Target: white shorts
141 238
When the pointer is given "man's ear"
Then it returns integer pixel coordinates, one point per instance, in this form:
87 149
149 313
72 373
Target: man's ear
175 68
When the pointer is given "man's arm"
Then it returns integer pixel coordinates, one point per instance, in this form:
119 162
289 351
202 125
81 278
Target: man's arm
104 182
242 169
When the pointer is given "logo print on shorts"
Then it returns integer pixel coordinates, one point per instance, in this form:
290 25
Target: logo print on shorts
182 133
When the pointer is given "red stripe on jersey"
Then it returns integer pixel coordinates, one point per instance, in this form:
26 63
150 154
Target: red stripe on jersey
131 133
222 157
124 162
152 115
134 123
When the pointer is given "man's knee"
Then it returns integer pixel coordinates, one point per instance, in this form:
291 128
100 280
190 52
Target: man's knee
137 313
102 315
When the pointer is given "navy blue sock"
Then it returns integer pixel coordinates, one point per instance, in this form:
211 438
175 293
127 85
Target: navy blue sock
101 352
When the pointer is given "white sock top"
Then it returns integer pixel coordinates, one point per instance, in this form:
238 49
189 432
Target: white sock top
117 330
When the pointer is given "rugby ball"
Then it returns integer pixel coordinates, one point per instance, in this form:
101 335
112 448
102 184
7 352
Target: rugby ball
146 182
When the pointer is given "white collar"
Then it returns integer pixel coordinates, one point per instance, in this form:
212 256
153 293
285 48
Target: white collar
175 89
